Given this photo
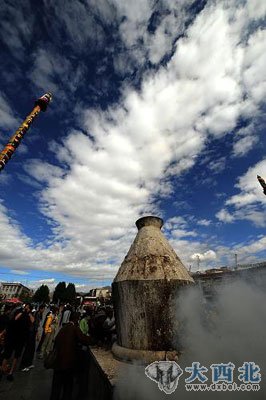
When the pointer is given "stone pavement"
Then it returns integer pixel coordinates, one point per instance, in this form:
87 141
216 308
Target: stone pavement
32 385
36 384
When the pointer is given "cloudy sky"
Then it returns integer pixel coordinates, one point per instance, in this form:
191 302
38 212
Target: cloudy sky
158 108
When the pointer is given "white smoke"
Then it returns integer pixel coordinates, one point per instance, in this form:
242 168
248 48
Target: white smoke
229 328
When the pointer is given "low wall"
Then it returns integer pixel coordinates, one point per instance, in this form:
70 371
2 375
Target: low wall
100 387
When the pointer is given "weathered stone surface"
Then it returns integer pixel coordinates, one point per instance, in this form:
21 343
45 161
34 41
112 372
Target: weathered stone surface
145 313
145 289
151 257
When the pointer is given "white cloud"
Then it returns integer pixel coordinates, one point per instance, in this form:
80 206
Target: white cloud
46 281
249 213
254 71
148 31
16 27
22 149
254 247
54 73
73 259
5 178
175 222
250 203
178 233
149 136
7 117
74 21
207 256
43 171
18 272
218 165
250 190
245 138
204 222
224 216
189 244
188 249
51 283
243 145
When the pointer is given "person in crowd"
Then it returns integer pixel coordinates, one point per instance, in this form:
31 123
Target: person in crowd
49 330
4 318
38 320
97 330
4 321
60 318
29 351
56 327
66 315
67 359
46 313
14 311
84 322
109 326
109 323
16 336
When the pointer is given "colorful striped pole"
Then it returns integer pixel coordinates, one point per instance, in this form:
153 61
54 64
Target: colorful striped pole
40 105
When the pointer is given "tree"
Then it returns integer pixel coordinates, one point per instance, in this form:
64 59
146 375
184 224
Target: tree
70 295
60 292
41 295
64 294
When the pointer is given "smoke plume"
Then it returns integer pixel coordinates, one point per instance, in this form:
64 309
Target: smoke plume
227 327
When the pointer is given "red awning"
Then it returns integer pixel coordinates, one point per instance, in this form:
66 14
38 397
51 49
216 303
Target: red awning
14 300
89 303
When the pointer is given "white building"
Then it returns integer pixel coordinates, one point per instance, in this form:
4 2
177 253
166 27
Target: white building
13 289
101 292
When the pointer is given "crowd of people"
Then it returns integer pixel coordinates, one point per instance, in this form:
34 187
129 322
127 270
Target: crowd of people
27 333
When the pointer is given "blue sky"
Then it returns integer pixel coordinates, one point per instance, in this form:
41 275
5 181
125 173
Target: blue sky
158 108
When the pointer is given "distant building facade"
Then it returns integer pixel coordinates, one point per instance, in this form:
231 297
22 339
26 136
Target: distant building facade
9 290
210 280
101 292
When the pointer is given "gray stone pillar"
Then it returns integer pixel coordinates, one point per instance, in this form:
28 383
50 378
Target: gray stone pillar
144 294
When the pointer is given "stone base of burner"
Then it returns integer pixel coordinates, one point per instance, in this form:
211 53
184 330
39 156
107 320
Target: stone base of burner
142 356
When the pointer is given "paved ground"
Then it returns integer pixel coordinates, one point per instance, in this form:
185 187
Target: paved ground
36 384
32 385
